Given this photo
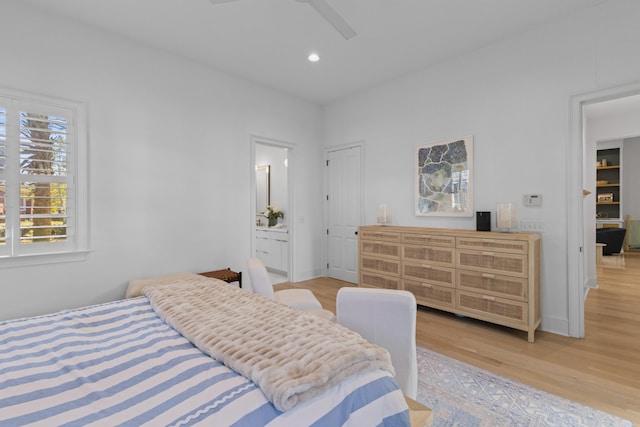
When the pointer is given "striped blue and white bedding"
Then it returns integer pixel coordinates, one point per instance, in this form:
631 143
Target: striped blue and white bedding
120 364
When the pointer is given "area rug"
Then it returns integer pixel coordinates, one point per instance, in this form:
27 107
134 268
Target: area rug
462 395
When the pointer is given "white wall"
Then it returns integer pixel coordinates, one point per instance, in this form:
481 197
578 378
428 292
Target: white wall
631 175
514 98
169 169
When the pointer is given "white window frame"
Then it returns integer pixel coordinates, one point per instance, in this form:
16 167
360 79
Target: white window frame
77 248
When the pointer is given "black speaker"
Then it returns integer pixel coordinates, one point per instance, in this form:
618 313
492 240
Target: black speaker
483 221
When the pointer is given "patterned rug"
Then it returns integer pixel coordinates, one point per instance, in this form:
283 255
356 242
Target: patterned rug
462 395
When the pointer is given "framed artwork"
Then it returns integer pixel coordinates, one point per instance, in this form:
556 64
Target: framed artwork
444 178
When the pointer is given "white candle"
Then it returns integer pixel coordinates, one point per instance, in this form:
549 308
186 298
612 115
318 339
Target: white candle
383 214
506 216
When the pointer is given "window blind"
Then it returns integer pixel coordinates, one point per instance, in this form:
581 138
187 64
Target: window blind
44 152
38 197
3 188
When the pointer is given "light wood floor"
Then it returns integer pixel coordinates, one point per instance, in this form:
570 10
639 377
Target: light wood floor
601 370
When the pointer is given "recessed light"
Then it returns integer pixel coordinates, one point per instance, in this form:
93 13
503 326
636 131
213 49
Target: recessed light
314 57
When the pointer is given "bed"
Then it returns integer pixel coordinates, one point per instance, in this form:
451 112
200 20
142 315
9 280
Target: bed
166 358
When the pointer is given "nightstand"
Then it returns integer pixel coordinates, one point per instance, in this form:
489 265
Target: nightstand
226 274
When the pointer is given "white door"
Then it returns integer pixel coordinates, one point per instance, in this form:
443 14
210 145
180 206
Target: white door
344 198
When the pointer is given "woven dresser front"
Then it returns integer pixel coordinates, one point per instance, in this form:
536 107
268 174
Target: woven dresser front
485 275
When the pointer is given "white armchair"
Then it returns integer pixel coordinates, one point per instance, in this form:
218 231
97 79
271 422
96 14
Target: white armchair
300 299
387 318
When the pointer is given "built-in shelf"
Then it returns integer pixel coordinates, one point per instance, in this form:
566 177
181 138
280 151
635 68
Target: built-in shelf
609 185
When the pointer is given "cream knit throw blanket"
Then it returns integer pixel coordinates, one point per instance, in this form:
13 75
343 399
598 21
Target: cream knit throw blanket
292 356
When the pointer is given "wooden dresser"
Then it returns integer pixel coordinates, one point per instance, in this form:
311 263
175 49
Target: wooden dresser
485 275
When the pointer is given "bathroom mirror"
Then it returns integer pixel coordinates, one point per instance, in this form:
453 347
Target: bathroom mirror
262 188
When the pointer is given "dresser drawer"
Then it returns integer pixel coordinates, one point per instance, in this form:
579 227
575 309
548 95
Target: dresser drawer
493 309
431 295
379 247
273 235
493 262
492 284
429 255
494 245
434 275
494 277
371 280
429 239
380 265
379 234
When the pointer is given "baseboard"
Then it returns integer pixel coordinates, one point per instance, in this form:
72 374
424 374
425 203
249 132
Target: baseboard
308 275
555 325
590 282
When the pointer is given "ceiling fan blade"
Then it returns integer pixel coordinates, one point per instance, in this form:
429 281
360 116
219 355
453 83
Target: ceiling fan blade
332 17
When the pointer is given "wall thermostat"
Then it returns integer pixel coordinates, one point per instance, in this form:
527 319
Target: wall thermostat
532 199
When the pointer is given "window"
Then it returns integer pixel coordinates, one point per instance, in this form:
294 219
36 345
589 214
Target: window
42 180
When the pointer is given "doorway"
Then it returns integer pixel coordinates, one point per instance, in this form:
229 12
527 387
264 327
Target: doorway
272 196
581 232
343 211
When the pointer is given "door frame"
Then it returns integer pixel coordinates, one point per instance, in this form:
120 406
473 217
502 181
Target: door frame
253 141
325 240
575 220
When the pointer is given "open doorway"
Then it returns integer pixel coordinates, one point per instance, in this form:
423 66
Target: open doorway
612 145
594 116
272 206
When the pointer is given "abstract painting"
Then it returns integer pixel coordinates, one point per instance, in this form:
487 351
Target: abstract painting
444 178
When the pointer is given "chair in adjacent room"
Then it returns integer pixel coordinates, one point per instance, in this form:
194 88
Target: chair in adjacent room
632 238
387 318
612 237
300 299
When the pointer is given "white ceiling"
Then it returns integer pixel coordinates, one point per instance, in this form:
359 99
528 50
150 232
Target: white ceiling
267 41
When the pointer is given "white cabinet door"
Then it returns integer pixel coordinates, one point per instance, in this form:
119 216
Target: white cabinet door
284 255
272 247
272 253
343 198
